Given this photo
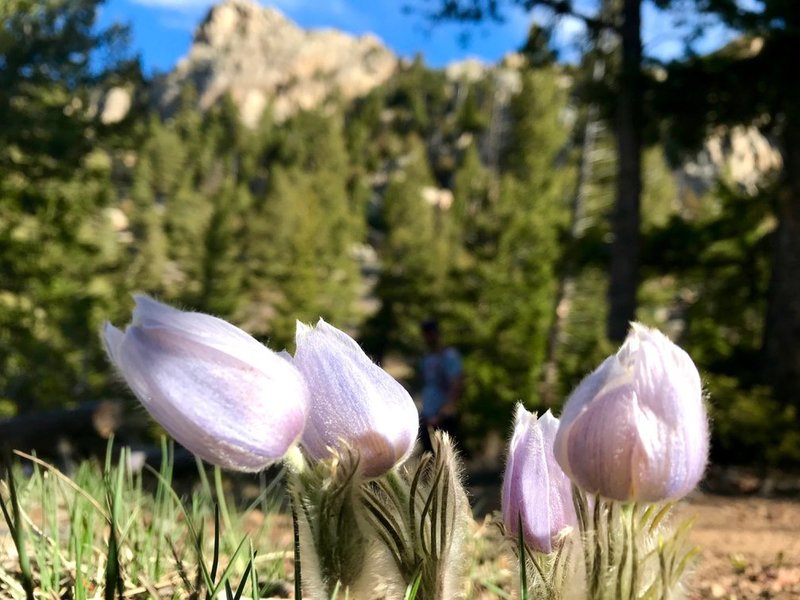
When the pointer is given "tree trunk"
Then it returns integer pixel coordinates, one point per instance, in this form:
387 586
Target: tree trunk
782 327
623 272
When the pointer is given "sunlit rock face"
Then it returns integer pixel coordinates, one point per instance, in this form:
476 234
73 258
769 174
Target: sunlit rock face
740 155
262 58
115 105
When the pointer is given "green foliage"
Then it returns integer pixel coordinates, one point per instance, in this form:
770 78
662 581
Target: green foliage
504 286
430 196
113 527
59 260
750 425
303 232
744 84
413 254
327 498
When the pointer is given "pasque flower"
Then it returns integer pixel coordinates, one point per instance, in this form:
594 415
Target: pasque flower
214 388
536 492
636 428
354 403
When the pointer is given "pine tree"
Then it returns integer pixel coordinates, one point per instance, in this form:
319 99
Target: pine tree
505 286
221 275
59 261
413 254
149 262
302 232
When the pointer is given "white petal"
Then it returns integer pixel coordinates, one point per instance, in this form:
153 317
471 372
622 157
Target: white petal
239 406
354 402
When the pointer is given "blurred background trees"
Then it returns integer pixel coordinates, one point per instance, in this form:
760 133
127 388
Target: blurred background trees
59 259
533 207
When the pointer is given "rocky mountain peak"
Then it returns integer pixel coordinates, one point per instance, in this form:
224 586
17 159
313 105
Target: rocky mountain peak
234 20
261 57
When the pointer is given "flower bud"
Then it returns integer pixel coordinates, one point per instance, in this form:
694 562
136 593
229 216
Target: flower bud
636 428
536 492
354 403
213 387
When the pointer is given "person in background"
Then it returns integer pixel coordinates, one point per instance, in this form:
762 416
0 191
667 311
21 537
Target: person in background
442 376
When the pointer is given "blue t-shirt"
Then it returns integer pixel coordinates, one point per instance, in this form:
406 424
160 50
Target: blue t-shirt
438 370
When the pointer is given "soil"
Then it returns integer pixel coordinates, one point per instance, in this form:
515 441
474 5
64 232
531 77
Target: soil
749 541
749 547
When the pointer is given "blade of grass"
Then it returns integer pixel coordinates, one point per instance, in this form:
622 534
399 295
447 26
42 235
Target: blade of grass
245 575
215 557
112 578
499 592
18 528
413 588
229 569
192 529
179 565
66 480
253 572
223 504
113 482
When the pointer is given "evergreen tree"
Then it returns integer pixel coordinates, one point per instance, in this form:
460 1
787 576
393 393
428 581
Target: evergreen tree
149 263
413 258
303 232
505 284
623 98
221 275
59 274
746 83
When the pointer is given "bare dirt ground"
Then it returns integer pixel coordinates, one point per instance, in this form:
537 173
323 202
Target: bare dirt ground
749 542
749 547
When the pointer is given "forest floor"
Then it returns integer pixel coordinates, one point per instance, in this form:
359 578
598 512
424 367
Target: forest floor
746 527
749 547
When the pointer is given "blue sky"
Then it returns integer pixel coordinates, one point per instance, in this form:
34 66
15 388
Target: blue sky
162 29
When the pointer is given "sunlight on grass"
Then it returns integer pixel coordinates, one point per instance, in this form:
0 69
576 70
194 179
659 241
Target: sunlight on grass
111 531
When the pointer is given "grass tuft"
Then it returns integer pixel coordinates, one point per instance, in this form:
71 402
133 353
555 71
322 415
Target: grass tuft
109 531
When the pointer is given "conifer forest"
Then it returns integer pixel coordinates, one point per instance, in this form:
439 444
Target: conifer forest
531 208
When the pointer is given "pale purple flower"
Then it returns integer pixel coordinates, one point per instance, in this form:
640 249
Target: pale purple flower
354 403
535 489
636 428
214 388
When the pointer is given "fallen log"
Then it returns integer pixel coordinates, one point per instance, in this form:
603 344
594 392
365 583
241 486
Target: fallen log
43 431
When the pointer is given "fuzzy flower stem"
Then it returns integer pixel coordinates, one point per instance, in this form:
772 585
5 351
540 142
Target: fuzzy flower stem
597 561
582 510
611 539
412 504
419 514
664 573
298 579
523 563
560 562
624 556
535 561
634 555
